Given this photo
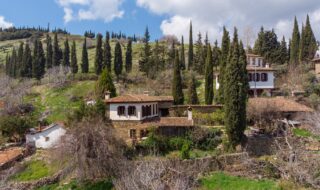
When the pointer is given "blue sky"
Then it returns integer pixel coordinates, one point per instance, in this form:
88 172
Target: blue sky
164 17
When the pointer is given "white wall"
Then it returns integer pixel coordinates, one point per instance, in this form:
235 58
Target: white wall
113 112
54 133
269 84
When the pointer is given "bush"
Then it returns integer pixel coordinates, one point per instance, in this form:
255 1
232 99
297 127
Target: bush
206 139
155 143
185 151
177 143
215 118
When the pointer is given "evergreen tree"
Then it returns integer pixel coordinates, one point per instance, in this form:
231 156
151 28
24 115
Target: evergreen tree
20 63
99 55
192 91
144 63
270 48
209 77
308 43
283 52
182 58
66 54
225 47
259 43
156 60
199 59
74 61
118 60
13 64
57 53
216 54
49 53
177 92
84 59
107 52
190 52
129 57
235 93
38 61
27 60
295 43
105 84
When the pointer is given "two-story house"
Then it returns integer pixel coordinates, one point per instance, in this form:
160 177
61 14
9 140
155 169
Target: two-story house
260 75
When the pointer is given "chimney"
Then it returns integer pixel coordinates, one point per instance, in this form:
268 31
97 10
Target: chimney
107 95
146 93
189 113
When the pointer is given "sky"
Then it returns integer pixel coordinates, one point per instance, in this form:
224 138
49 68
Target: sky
163 17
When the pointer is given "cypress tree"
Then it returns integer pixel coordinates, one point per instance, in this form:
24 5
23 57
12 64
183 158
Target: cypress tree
74 61
66 54
216 54
27 60
192 91
182 58
118 60
129 57
20 63
177 93
49 53
99 55
283 51
38 61
13 64
145 54
209 77
57 53
105 84
225 47
199 59
308 43
190 52
295 43
259 43
84 59
235 93
107 52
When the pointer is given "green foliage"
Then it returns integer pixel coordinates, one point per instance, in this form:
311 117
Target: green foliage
129 57
75 185
308 43
104 84
57 52
221 181
182 56
235 93
155 143
85 60
190 52
99 55
314 100
295 43
199 56
118 60
15 126
34 170
144 62
26 70
192 91
107 52
38 60
74 61
209 77
185 151
176 143
206 138
215 118
177 92
49 52
301 132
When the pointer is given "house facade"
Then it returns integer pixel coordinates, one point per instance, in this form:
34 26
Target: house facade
134 115
260 75
45 137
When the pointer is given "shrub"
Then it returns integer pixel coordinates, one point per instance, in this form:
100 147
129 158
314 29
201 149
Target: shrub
215 118
205 138
176 143
185 151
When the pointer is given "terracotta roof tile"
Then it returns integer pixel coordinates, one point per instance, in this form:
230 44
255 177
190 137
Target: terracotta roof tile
129 98
279 103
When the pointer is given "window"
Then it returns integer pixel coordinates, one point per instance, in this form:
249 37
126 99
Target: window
257 77
132 133
143 111
264 77
143 133
132 111
156 108
47 139
121 110
250 77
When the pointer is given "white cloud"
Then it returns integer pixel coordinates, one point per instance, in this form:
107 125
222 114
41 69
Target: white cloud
4 23
212 15
106 10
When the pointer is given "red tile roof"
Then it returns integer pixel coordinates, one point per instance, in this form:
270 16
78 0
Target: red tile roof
129 98
280 104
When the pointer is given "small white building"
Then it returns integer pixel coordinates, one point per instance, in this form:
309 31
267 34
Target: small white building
260 75
138 107
45 137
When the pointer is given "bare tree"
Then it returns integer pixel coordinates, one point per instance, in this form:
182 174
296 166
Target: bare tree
56 77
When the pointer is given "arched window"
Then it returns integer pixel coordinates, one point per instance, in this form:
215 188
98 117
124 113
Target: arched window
132 111
121 110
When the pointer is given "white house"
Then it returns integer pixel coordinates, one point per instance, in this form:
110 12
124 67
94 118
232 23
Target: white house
138 107
45 137
260 74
